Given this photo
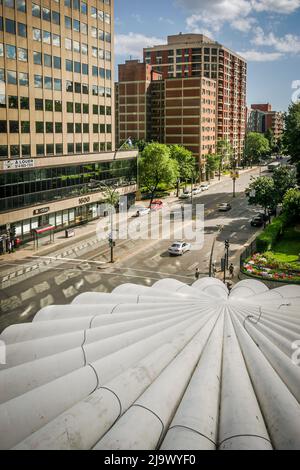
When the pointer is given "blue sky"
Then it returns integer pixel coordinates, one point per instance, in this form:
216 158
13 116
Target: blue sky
266 32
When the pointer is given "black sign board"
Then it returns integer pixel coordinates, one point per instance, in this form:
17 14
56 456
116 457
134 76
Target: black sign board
43 210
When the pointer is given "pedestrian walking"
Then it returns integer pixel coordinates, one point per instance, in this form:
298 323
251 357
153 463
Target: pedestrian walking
229 286
197 274
9 246
231 270
214 269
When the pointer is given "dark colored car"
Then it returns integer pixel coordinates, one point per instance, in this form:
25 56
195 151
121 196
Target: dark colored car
264 216
257 221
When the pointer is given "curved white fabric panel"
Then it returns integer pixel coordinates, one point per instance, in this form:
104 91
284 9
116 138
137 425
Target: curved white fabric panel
170 366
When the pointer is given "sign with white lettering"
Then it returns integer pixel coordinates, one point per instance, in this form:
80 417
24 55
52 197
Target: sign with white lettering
43 210
17 164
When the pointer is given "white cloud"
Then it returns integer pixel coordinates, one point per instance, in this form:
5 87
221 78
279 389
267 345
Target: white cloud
243 24
277 6
287 44
161 19
238 13
132 44
258 56
213 13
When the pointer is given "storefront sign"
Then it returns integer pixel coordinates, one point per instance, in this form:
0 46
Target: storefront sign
84 200
43 210
17 164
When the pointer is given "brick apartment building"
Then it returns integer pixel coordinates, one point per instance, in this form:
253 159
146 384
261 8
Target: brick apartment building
57 114
190 115
172 111
135 96
195 55
261 118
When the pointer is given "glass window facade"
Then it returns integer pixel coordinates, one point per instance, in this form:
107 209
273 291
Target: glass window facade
25 188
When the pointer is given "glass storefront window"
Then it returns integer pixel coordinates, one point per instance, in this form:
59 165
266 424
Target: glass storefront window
71 215
52 219
26 226
58 219
34 223
18 226
65 218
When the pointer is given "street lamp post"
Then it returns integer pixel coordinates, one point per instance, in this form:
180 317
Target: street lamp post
234 176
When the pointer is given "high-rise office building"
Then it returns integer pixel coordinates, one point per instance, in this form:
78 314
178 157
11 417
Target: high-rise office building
57 113
195 55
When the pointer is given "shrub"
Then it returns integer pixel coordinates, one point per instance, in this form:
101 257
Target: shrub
269 236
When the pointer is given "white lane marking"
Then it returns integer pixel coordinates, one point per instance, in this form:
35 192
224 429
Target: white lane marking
78 260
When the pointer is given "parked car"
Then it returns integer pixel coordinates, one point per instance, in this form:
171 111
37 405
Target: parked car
156 205
185 195
264 216
204 186
224 207
179 248
257 221
197 191
142 211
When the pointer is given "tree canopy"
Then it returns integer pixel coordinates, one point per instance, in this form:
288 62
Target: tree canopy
284 179
291 204
256 147
186 161
262 192
291 137
156 166
212 164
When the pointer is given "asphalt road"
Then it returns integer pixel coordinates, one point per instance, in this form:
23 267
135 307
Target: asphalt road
141 262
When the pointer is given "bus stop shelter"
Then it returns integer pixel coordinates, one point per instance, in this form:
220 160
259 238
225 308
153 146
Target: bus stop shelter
41 231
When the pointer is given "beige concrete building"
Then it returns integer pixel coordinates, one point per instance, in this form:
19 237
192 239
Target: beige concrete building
56 112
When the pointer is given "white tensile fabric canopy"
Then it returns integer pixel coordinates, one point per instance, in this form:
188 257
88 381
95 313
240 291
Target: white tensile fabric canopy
171 367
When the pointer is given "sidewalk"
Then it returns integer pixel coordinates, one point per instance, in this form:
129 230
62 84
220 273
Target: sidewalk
84 240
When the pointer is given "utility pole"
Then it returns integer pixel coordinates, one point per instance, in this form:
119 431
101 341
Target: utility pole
220 228
223 268
227 244
234 175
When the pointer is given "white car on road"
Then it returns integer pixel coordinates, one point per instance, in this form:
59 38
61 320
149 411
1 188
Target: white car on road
185 195
142 211
204 186
197 191
179 248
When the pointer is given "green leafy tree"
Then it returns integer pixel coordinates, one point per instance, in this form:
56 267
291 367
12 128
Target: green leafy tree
291 205
291 136
269 135
256 147
224 152
262 192
212 165
156 166
279 148
185 160
284 179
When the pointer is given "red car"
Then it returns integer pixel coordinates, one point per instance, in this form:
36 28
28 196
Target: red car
156 205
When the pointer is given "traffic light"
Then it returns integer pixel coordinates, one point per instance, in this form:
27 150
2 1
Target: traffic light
227 244
13 232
